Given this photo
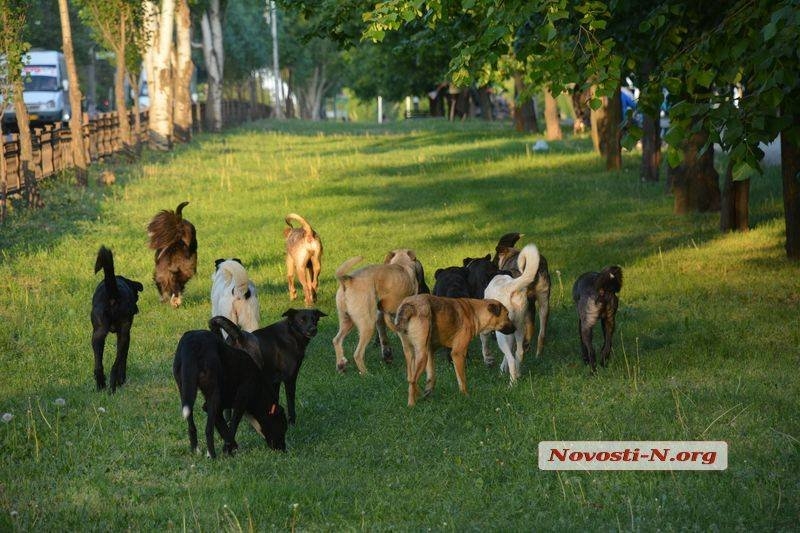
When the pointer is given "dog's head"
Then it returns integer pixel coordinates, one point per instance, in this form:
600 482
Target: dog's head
480 271
609 280
505 248
304 321
497 318
408 257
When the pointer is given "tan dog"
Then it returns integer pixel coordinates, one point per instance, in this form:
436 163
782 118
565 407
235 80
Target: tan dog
303 258
425 323
538 292
369 297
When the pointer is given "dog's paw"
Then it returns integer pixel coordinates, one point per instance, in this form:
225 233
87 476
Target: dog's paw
175 301
388 358
230 447
341 366
489 361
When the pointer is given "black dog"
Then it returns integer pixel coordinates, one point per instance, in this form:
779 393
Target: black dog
480 271
595 297
113 307
229 378
451 282
175 242
283 347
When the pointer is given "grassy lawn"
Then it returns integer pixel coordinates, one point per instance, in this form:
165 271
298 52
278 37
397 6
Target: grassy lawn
706 348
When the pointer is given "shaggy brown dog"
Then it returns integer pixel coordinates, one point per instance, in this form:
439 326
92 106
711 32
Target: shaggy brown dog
595 297
538 292
303 258
425 323
369 297
175 242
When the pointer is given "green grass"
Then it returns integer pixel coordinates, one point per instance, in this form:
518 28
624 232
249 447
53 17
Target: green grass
706 346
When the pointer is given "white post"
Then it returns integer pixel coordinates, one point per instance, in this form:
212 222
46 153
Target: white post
408 107
273 14
380 110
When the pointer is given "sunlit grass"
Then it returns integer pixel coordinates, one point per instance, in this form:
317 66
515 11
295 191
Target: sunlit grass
706 348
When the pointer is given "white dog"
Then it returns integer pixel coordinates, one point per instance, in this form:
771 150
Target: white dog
233 295
512 293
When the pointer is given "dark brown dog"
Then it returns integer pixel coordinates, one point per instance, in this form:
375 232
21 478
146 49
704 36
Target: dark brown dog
303 258
538 292
175 242
369 297
113 308
425 323
595 297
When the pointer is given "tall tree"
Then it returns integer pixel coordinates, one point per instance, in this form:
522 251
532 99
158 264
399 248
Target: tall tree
184 69
160 21
79 157
214 56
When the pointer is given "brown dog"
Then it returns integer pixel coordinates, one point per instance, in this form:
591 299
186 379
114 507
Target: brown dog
538 292
303 258
425 323
369 297
175 241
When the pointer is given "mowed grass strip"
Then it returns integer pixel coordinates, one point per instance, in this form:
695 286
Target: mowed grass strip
706 348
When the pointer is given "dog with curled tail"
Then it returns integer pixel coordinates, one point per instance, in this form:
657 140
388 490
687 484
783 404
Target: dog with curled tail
234 295
303 258
596 298
174 240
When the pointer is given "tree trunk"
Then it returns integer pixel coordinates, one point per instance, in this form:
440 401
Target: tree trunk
583 113
75 97
695 183
183 73
551 116
790 172
614 132
213 53
485 102
524 110
159 77
651 149
311 94
735 203
119 88
25 149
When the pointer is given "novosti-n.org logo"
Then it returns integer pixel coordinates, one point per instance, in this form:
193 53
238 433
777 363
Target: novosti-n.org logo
633 455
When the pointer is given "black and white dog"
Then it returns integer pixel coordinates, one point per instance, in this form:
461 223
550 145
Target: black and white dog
229 378
113 308
233 294
595 297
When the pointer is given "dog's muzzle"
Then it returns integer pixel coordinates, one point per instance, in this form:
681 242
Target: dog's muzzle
508 330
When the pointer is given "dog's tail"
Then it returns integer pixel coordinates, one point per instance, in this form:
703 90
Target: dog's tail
187 385
344 268
310 233
609 280
105 260
168 227
528 262
506 241
218 323
403 316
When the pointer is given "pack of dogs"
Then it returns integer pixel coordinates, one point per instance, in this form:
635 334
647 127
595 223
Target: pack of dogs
238 366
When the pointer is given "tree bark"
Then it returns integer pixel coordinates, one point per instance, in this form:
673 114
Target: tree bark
159 77
213 53
695 183
25 149
76 118
485 101
734 203
790 172
119 87
524 110
183 74
651 149
614 132
552 124
583 113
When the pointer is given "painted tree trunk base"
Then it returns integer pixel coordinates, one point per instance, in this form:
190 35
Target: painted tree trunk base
159 142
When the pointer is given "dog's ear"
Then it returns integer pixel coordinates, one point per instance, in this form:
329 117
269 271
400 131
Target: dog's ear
466 261
319 313
388 258
238 260
412 255
488 257
437 273
496 308
289 312
217 262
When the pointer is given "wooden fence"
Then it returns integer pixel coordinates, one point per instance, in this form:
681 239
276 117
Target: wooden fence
52 150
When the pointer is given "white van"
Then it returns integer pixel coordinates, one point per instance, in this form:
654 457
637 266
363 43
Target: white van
46 91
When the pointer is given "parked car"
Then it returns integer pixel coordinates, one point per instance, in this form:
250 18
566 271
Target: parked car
46 89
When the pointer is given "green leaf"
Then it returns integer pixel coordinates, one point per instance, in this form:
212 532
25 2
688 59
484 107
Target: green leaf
705 78
674 156
595 103
769 31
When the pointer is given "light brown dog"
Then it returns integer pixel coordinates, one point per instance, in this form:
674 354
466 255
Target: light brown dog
303 258
369 297
538 292
425 323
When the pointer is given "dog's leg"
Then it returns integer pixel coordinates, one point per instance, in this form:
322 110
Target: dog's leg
383 338
488 358
409 352
192 433
316 268
290 387
530 325
459 363
345 325
290 277
510 363
98 345
366 329
118 371
544 313
586 344
214 409
608 333
306 282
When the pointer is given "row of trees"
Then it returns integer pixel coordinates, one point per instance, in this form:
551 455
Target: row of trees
730 70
